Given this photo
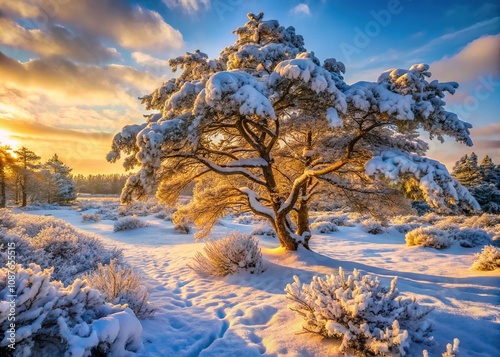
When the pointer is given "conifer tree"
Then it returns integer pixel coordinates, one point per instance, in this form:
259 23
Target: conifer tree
27 162
266 126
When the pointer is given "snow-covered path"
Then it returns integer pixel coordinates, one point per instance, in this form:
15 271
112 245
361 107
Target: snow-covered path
247 315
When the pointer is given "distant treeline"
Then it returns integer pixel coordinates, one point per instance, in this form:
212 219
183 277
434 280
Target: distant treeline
111 184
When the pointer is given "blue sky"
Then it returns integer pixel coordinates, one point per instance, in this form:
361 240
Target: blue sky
72 70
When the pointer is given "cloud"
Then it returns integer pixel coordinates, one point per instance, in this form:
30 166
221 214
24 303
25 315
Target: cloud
131 26
146 60
301 9
477 28
189 6
68 83
479 57
55 40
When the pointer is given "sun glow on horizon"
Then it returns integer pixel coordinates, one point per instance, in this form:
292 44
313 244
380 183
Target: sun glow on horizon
7 140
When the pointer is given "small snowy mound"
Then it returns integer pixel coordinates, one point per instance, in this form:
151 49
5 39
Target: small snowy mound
91 217
372 227
127 223
55 320
488 259
364 315
122 285
470 238
429 237
324 227
229 255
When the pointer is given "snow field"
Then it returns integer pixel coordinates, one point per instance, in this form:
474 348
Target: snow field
247 314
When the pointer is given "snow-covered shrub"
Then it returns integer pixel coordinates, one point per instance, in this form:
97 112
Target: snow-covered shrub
405 228
429 237
40 206
324 227
372 227
7 219
71 252
91 217
122 285
487 259
432 217
229 255
127 223
470 238
48 242
54 320
142 208
263 230
452 351
247 219
364 315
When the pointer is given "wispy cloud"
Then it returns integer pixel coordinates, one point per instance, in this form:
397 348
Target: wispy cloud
301 9
188 5
146 60
491 23
479 57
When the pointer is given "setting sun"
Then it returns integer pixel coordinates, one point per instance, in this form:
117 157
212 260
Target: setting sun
6 139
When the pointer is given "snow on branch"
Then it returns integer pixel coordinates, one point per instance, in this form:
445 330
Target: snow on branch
427 103
235 90
438 187
367 95
254 202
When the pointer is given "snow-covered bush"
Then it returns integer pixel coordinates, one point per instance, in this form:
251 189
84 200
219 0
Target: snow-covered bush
48 242
335 218
405 228
324 227
54 320
91 217
451 351
40 206
263 230
372 227
485 220
142 208
122 285
364 315
487 259
7 219
470 238
127 223
71 252
229 255
247 219
429 237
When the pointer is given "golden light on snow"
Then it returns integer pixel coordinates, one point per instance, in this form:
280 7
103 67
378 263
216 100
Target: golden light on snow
6 139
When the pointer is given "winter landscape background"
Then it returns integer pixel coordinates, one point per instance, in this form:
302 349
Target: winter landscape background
289 179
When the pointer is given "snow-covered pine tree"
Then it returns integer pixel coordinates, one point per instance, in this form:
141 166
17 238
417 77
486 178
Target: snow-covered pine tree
227 123
59 185
466 171
482 181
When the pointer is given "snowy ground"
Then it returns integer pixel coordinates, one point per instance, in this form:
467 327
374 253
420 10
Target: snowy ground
247 315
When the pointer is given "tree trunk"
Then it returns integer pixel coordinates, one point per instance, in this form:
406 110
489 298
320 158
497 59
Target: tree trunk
24 192
3 199
287 238
303 217
284 235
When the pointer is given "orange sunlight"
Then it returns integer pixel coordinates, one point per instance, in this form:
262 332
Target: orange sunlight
6 139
